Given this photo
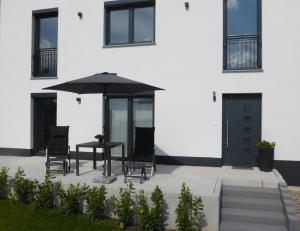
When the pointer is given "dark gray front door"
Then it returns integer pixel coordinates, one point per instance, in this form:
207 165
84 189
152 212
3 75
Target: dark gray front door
241 129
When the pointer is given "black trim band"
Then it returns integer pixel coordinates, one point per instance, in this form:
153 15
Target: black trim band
290 171
192 161
15 152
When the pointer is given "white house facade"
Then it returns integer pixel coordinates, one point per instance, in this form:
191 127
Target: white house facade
230 70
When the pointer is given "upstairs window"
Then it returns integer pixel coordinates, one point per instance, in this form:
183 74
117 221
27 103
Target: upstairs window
45 43
129 23
242 34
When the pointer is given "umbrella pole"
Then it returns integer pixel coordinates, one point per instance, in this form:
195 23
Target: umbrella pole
106 149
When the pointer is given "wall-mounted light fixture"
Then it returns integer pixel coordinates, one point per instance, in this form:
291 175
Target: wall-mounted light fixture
187 5
78 100
214 96
80 15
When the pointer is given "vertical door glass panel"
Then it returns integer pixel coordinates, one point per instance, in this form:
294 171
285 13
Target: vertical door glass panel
144 24
241 17
142 113
48 32
118 120
119 26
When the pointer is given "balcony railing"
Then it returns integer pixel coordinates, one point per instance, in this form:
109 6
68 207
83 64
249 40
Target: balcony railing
45 62
242 52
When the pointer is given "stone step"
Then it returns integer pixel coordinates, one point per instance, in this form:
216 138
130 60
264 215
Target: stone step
237 226
253 216
254 192
252 203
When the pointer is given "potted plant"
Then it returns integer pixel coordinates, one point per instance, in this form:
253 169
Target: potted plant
265 155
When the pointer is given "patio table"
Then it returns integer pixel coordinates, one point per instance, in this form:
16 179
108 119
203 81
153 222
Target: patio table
107 154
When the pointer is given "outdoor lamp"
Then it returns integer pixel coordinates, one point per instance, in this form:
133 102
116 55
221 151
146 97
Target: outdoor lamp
187 5
214 96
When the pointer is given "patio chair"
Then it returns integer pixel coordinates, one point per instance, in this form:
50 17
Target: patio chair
143 154
58 150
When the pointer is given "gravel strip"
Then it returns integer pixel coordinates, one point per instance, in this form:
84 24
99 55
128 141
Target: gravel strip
295 194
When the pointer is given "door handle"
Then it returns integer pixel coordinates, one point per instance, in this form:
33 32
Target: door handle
227 133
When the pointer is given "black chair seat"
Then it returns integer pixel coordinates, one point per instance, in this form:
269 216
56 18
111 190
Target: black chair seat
57 158
137 165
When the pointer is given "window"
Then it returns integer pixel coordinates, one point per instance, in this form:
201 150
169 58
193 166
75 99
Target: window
242 34
45 43
129 23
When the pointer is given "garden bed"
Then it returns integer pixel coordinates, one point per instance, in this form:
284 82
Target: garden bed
14 216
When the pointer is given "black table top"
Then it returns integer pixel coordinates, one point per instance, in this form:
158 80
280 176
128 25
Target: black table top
97 144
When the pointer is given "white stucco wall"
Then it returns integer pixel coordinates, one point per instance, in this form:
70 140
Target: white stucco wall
187 62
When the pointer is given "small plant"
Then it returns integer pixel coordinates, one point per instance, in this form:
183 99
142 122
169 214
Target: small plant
188 210
96 198
156 213
142 211
197 210
25 189
3 182
265 145
151 219
71 200
123 206
45 194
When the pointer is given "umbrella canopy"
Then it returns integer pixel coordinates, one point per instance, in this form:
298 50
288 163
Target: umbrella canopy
103 83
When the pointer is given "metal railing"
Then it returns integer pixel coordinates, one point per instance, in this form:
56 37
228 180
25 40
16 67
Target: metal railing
45 62
242 52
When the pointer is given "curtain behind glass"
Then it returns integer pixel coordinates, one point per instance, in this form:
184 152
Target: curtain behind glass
142 113
118 120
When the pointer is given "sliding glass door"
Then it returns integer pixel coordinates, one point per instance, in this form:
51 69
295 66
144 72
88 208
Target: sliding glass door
125 114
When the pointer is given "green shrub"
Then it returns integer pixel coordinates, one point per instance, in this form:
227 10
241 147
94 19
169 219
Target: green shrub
156 212
188 211
96 198
197 211
25 189
71 200
265 144
142 211
45 198
123 206
151 218
3 182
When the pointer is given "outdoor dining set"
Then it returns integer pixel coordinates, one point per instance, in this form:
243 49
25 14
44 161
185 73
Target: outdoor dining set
140 158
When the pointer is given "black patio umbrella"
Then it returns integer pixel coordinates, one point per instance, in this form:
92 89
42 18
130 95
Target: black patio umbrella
105 83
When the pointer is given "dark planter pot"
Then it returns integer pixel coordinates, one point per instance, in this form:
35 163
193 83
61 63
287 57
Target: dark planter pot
266 159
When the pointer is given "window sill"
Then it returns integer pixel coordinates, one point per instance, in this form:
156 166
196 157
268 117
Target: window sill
243 71
129 45
42 78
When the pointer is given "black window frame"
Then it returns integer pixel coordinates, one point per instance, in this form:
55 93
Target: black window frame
126 5
259 37
37 15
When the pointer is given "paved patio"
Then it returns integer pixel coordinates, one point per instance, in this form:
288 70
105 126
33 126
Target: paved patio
202 180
